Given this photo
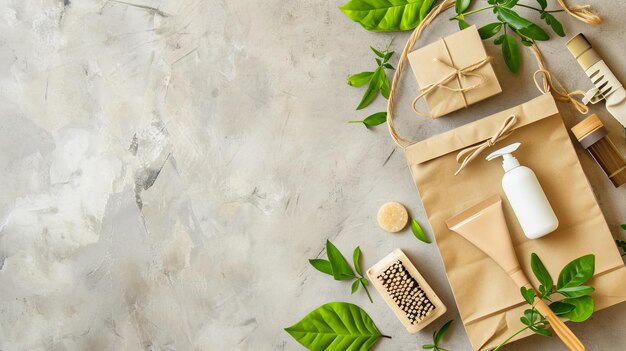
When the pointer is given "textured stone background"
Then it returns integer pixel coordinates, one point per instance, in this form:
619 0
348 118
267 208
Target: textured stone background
169 166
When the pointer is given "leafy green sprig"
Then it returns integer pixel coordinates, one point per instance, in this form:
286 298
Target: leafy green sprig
338 267
576 305
437 336
377 81
512 25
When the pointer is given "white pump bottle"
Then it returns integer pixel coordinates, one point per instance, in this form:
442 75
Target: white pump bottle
525 195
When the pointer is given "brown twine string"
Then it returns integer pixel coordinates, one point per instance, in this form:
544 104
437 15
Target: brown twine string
400 141
457 73
580 12
551 84
470 153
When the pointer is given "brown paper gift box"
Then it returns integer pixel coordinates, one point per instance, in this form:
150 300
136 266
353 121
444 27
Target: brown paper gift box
464 48
489 302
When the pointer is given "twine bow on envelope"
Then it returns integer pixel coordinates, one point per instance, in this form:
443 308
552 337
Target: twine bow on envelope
457 73
470 153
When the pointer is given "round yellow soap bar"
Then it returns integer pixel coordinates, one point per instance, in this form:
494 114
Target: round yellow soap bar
392 217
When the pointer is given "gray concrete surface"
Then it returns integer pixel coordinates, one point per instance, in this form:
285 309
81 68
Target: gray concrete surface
168 167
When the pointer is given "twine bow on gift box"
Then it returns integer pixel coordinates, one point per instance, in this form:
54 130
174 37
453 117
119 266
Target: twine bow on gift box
470 153
457 73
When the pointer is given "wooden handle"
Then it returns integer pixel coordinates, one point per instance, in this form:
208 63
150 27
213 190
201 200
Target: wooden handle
562 331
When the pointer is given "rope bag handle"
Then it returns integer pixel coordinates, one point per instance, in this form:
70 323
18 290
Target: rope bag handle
544 80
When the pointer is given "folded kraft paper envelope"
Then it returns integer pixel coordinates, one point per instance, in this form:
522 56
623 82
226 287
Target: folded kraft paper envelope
453 72
489 302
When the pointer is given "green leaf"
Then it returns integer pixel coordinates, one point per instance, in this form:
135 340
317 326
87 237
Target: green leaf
322 265
508 3
560 308
528 295
359 79
336 326
543 4
462 24
540 271
511 53
355 286
499 40
377 52
511 18
428 346
489 30
534 32
356 260
364 281
556 26
372 89
623 226
373 120
576 291
341 268
576 272
461 6
385 15
441 332
418 232
541 331
386 65
583 308
388 55
385 88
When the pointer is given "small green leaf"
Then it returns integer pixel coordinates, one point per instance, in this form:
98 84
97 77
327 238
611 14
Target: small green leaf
385 88
543 4
428 346
386 65
576 291
623 226
388 55
489 30
418 231
373 120
540 271
511 53
556 26
372 89
462 24
341 268
356 260
364 281
441 332
541 331
355 286
528 295
377 52
560 308
359 79
576 272
322 265
336 326
583 308
461 6
534 32
499 40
